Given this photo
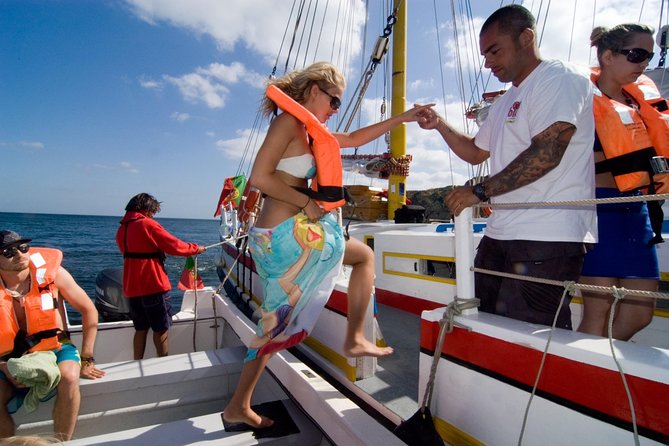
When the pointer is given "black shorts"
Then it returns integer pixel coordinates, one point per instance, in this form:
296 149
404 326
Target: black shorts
520 299
152 311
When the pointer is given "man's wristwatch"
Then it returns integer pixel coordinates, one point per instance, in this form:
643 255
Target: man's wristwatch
479 191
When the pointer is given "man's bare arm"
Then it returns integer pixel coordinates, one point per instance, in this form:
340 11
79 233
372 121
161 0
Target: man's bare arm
543 155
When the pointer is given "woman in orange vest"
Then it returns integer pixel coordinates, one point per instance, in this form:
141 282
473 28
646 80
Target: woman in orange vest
297 244
630 131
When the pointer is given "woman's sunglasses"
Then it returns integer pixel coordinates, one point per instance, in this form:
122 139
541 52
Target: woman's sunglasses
335 102
12 250
636 55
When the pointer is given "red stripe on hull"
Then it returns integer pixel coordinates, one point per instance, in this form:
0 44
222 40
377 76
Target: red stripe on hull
594 388
406 303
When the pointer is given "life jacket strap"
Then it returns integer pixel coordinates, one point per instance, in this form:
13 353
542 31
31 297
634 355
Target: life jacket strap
144 255
637 161
325 193
23 343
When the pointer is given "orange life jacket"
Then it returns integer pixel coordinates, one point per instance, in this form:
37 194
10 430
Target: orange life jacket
630 139
40 304
327 186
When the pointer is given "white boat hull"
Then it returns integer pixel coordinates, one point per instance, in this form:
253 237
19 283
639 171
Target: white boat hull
480 403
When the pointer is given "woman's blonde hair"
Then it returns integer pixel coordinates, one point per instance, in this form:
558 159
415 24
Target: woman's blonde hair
29 440
296 84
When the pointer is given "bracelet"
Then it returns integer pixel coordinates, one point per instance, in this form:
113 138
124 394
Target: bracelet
87 360
306 204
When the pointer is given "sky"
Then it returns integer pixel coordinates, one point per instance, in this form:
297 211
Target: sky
101 100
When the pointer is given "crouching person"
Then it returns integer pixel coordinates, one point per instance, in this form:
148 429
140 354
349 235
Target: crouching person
38 359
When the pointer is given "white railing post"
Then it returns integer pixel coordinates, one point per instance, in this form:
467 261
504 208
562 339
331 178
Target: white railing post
464 254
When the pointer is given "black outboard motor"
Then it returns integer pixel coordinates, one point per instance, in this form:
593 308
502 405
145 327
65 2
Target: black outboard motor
109 299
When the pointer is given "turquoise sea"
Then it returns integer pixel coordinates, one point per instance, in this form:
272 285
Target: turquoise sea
88 245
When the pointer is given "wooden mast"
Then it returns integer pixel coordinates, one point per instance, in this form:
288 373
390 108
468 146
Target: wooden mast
396 183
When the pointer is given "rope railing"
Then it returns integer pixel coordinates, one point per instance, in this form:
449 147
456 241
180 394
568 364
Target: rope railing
585 202
593 288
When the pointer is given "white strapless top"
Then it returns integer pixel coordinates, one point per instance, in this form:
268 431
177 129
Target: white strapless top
301 166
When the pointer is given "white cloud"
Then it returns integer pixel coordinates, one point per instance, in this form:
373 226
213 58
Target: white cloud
180 117
128 167
234 148
32 145
25 146
257 25
150 84
211 84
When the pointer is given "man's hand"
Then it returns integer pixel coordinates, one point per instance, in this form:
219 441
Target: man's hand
89 371
460 198
428 119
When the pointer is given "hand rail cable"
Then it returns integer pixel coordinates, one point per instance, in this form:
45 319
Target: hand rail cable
215 293
584 202
593 288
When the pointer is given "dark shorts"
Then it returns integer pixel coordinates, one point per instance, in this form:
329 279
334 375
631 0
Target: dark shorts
520 299
623 249
152 311
68 352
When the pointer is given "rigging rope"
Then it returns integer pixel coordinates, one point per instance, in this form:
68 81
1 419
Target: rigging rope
443 85
619 294
567 287
446 325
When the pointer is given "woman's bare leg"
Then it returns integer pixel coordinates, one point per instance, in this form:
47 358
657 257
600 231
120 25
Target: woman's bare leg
631 315
239 409
360 285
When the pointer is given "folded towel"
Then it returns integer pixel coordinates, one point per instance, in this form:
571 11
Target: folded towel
39 372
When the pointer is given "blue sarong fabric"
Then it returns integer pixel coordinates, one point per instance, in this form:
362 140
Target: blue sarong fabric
298 263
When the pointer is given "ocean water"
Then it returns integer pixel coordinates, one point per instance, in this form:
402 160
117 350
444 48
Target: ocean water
89 246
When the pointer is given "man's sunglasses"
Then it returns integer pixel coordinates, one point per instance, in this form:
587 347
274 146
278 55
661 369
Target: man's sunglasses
12 250
636 55
335 102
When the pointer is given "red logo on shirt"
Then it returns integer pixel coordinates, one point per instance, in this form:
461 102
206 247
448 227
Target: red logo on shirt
513 111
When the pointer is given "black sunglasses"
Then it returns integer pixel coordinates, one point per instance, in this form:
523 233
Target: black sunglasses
636 55
335 102
12 250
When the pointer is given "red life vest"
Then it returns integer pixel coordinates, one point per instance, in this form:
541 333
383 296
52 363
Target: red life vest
40 304
630 138
327 186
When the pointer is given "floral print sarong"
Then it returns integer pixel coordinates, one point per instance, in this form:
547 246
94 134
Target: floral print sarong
298 263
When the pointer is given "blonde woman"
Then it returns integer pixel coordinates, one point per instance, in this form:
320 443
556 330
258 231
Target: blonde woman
296 244
631 129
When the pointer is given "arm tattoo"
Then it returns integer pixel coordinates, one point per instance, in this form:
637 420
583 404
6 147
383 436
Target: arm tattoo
543 155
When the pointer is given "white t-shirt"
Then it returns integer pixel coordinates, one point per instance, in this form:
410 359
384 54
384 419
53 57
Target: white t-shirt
553 92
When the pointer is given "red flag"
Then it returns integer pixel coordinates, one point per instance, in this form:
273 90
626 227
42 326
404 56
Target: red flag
189 277
231 193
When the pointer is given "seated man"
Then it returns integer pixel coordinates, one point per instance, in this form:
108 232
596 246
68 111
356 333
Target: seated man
32 285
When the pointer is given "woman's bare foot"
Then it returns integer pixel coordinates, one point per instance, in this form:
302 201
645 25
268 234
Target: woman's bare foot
249 417
365 348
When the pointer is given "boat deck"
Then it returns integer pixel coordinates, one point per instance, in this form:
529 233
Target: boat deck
395 384
175 400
